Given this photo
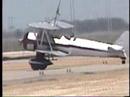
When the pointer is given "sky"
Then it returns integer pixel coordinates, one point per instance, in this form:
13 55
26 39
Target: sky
21 12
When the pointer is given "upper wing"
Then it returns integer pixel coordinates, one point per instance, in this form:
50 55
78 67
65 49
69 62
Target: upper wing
43 25
50 25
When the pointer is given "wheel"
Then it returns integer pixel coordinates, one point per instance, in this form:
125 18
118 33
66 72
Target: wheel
34 66
123 61
42 67
39 64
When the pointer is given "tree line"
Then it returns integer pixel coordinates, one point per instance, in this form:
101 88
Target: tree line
101 24
86 26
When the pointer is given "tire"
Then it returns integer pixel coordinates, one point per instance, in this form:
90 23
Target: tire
123 62
34 67
38 64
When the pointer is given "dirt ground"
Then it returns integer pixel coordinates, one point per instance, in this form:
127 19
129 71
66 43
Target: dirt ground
61 62
115 83
110 83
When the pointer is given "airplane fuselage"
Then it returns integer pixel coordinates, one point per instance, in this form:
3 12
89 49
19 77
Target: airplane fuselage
47 46
84 47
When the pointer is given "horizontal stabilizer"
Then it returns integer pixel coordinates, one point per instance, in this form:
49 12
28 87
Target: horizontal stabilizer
119 53
110 49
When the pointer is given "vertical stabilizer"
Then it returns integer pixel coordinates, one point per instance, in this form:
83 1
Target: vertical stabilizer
123 40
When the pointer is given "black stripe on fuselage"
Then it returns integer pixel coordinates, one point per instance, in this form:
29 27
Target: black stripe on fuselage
85 48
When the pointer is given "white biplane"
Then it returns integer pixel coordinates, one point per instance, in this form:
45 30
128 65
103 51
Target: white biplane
55 38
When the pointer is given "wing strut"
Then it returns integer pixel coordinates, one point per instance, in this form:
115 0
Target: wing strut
44 35
48 41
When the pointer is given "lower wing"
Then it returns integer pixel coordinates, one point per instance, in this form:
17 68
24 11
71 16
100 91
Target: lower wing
54 52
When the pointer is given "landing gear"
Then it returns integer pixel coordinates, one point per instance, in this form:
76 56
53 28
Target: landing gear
39 62
123 60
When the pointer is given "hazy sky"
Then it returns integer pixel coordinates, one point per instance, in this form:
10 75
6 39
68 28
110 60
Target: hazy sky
23 12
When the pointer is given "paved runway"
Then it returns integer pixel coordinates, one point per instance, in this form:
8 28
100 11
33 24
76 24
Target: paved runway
82 77
19 75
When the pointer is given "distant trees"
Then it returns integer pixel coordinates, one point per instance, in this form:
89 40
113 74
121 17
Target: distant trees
18 33
101 24
15 33
93 25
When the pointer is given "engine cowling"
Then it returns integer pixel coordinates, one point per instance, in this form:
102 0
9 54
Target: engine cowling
27 43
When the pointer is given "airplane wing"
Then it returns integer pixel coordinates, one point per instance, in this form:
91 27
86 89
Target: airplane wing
43 25
50 25
63 25
55 53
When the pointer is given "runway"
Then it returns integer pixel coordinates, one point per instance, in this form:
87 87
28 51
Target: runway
74 79
11 76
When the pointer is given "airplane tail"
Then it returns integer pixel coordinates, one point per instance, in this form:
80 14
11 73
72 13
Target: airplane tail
123 41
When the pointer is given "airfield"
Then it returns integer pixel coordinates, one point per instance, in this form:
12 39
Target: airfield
68 76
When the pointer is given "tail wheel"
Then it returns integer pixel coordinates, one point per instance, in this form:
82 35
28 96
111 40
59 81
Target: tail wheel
123 60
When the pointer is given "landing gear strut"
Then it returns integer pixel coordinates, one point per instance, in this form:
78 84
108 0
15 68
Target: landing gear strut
39 62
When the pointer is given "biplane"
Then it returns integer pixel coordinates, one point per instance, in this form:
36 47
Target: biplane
55 38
